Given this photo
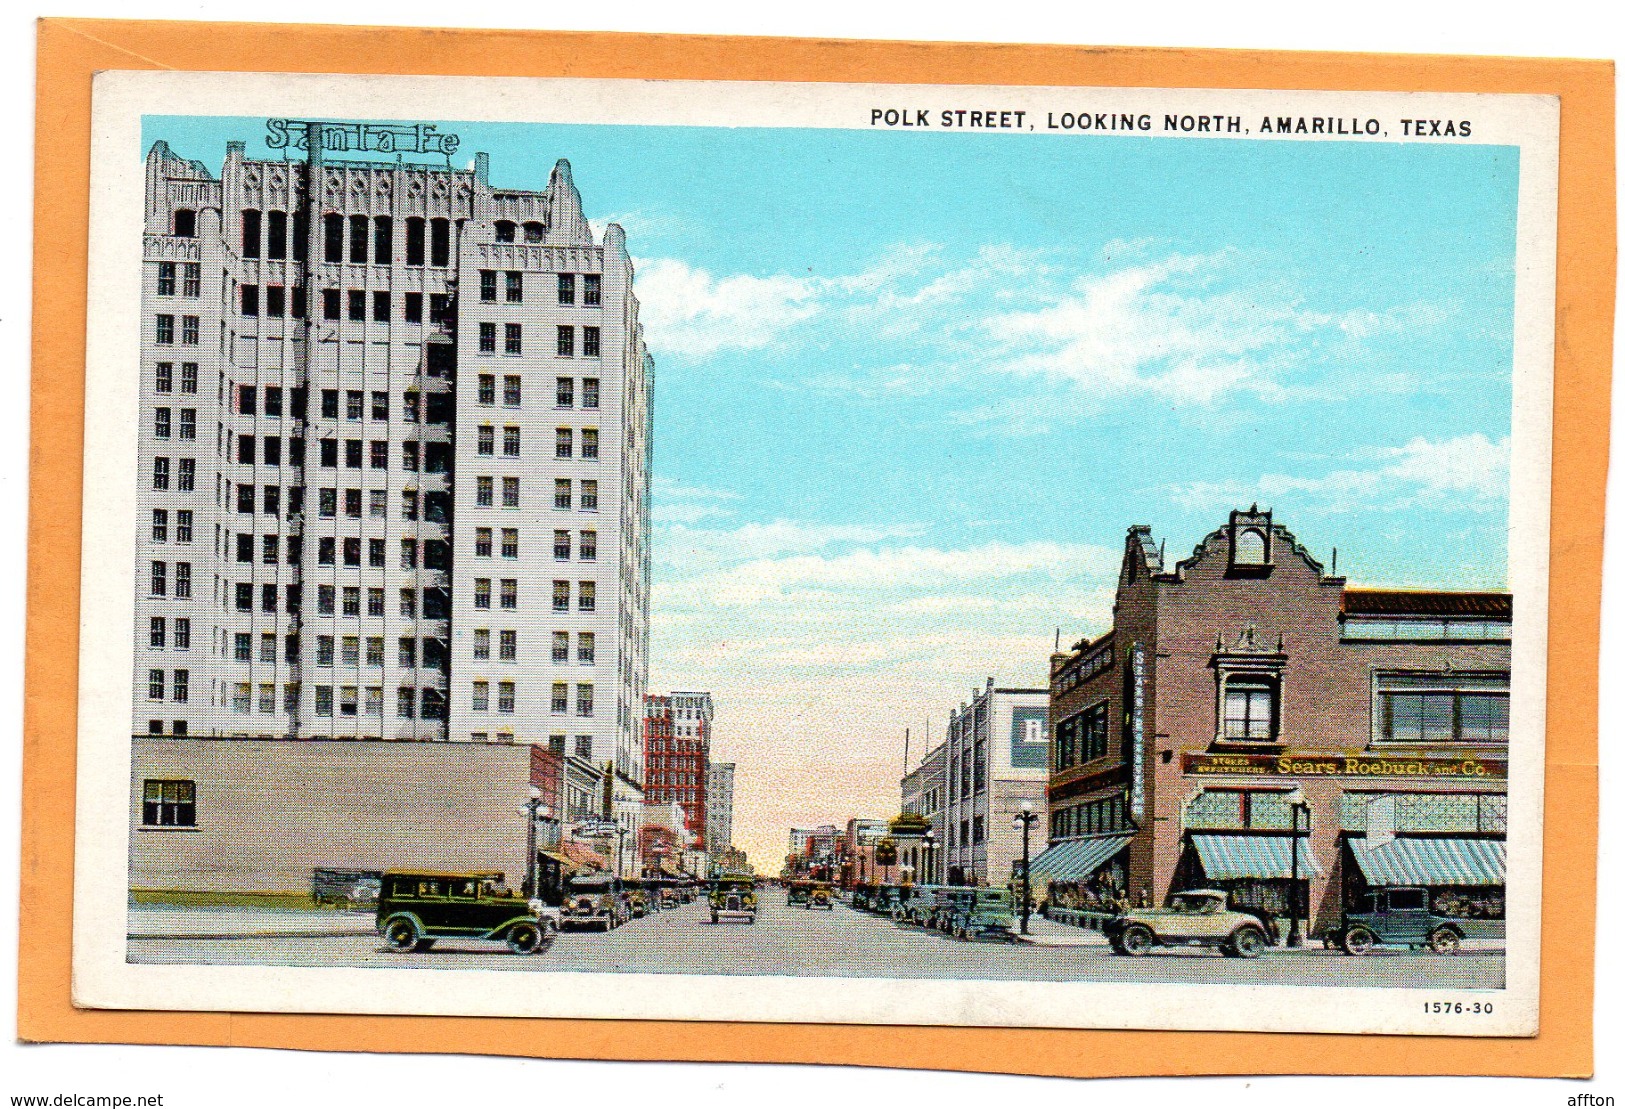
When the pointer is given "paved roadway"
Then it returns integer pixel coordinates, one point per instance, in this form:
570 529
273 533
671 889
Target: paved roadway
790 941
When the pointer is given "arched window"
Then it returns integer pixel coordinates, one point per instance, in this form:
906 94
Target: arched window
505 230
533 232
185 223
1249 547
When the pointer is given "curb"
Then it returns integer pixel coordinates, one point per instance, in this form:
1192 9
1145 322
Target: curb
301 935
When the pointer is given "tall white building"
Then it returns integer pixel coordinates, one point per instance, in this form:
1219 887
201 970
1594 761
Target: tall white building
393 456
719 806
995 758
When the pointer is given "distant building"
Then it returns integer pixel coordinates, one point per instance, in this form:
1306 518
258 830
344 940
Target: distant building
923 794
816 848
857 848
1245 691
719 806
996 758
676 752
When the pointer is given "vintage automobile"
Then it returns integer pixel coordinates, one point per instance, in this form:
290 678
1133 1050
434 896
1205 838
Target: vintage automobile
639 898
667 895
919 903
1193 918
416 908
733 897
595 899
861 893
886 899
946 903
820 896
796 893
1400 916
984 913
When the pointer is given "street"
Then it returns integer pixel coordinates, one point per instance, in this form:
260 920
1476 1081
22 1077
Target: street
841 942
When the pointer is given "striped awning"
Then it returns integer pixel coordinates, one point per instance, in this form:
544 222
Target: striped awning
1076 858
1225 858
1432 862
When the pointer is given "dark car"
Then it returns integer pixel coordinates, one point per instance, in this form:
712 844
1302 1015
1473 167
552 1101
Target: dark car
1397 916
596 899
416 908
733 898
796 893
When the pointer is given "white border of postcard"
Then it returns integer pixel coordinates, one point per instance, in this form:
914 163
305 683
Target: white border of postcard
103 979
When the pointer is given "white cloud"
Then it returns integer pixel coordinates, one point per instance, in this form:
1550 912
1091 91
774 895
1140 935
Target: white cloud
1469 471
687 310
676 503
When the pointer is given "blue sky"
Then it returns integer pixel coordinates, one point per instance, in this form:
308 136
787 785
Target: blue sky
913 387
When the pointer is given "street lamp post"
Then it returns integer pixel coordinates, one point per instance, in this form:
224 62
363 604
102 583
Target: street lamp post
532 807
928 845
1294 936
1025 819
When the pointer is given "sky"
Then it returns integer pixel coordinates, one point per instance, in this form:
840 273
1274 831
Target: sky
913 388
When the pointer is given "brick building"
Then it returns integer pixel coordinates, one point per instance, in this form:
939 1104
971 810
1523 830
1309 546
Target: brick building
994 761
677 753
1245 690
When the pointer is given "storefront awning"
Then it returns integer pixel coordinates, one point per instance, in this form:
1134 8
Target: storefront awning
1076 858
563 860
583 856
1432 862
1225 858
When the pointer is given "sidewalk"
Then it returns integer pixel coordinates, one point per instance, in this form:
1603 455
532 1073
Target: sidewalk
146 922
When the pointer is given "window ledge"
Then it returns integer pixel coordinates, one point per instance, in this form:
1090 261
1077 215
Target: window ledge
167 828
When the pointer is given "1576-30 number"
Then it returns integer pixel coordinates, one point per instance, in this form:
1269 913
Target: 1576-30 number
1481 1007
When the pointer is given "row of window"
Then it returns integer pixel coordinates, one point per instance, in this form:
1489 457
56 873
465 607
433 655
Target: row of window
158 579
564 391
410 702
273 235
1109 814
513 287
166 634
348 599
191 278
165 332
163 423
1082 737
160 525
179 686
513 339
164 377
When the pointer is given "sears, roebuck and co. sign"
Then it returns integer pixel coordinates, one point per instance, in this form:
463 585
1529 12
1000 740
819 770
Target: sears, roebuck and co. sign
1339 764
380 138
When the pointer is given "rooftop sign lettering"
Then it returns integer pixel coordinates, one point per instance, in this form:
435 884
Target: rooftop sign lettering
379 138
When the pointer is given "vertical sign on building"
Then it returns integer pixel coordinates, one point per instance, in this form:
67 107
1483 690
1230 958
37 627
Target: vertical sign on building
1137 730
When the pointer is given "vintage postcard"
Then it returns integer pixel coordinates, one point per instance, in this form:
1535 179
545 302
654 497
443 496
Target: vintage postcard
1049 557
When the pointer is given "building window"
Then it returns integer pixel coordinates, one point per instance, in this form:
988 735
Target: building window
592 290
561 596
584 699
566 341
510 542
1249 709
510 390
166 279
589 495
514 286
564 392
505 697
510 441
505 229
510 492
275 301
488 338
480 697
482 492
561 646
185 223
587 596
561 698
586 648
589 442
169 803
251 233
482 644
561 492
485 442
589 392
356 300
166 329
276 235
589 342
482 592
164 377
488 385
508 646
155 685
589 546
510 593
1418 711
482 542
567 288
511 336
380 306
561 543
412 307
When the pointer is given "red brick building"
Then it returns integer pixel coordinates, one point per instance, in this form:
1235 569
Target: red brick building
1244 691
676 752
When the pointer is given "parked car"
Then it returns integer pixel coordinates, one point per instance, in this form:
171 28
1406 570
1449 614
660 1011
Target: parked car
861 894
734 898
595 899
986 912
948 902
416 908
639 898
796 893
918 907
1193 918
1398 916
820 896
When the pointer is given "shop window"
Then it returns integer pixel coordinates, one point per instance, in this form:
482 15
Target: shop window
169 803
1442 709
